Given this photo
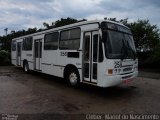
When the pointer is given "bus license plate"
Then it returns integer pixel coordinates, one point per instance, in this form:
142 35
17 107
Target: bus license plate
127 81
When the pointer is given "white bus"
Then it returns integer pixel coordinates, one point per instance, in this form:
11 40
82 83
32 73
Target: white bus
100 52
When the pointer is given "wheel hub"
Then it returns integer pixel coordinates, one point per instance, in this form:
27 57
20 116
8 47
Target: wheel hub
26 68
73 78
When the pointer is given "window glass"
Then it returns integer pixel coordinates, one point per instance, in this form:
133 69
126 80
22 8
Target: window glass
75 34
40 49
95 71
112 26
114 44
123 29
95 48
117 27
27 43
86 70
87 48
65 35
19 48
100 51
13 45
70 39
36 49
51 41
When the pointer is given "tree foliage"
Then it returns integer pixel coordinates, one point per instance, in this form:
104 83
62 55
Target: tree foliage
63 22
4 57
146 36
6 40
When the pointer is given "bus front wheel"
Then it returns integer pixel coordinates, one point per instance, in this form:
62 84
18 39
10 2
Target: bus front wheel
73 78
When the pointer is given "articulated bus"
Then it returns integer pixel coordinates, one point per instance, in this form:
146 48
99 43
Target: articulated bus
100 52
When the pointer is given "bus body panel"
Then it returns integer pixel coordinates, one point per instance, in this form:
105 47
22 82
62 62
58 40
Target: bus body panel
13 57
107 81
54 62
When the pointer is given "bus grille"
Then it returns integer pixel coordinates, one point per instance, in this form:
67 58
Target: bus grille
127 69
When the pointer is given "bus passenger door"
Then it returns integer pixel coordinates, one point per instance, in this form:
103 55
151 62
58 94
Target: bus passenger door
95 55
19 49
90 56
37 54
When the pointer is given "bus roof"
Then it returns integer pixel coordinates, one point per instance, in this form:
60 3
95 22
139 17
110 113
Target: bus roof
70 25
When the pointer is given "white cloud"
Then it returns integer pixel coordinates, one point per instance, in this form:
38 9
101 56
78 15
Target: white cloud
83 4
56 6
96 16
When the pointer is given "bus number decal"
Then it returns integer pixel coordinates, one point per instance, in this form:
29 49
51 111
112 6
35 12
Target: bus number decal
63 54
117 64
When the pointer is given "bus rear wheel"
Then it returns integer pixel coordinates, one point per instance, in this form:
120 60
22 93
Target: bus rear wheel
73 78
25 67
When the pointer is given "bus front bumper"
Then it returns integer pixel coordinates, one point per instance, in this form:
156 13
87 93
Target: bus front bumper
109 81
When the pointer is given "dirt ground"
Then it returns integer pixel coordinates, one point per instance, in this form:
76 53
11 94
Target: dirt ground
36 93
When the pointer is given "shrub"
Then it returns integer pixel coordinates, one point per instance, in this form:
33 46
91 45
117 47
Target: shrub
154 58
4 57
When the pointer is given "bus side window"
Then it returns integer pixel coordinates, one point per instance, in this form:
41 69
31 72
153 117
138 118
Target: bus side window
19 48
51 41
70 39
95 47
27 44
13 45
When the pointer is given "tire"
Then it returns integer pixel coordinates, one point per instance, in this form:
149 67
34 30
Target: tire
73 78
26 67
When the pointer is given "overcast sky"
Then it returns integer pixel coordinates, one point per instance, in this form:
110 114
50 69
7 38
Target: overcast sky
22 14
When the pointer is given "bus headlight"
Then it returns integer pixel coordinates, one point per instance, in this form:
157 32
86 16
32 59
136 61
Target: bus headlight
113 71
117 70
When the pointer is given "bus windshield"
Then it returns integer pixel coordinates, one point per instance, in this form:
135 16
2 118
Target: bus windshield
119 44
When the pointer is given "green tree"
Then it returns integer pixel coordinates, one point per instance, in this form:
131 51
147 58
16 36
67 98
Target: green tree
4 57
65 21
46 25
31 30
62 22
146 36
147 41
